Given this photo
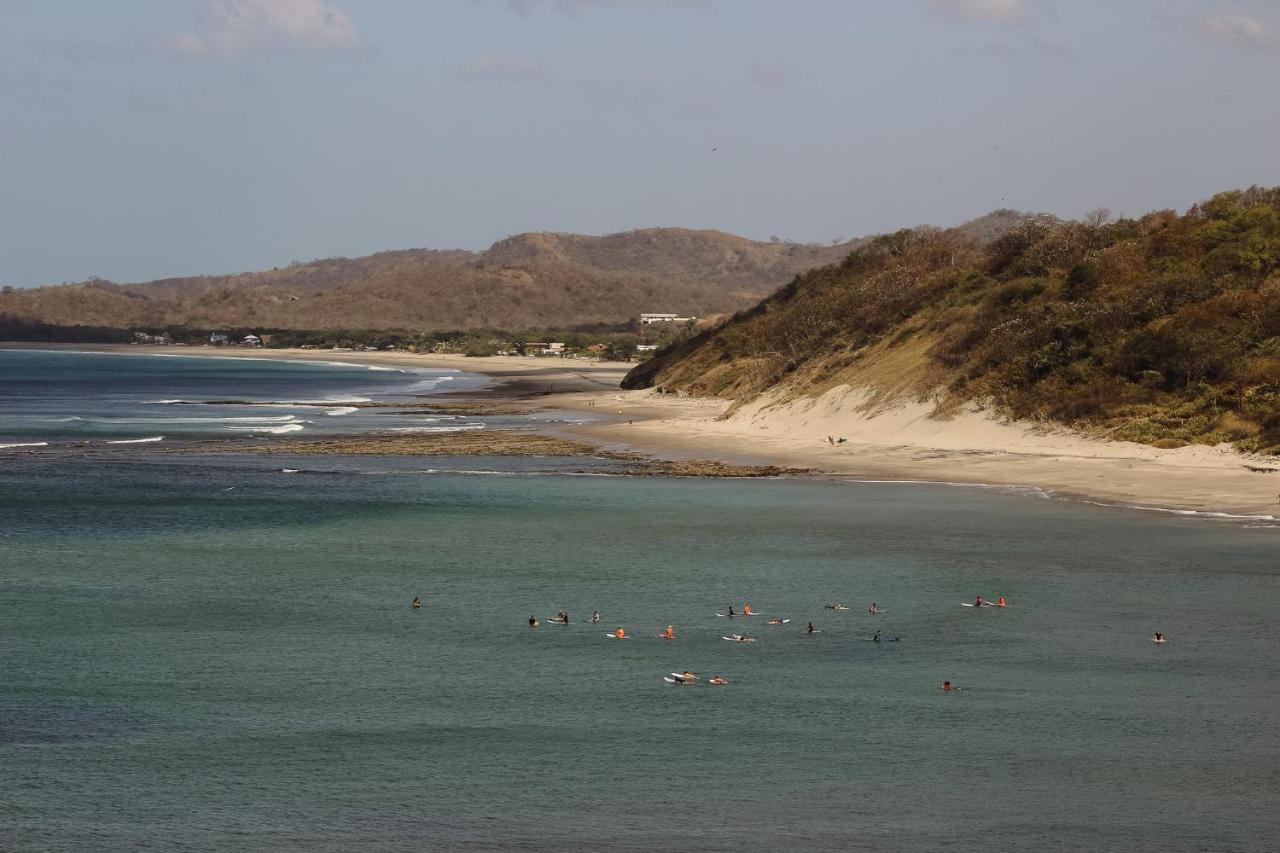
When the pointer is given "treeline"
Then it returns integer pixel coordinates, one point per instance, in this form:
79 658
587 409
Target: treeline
1163 329
18 329
612 341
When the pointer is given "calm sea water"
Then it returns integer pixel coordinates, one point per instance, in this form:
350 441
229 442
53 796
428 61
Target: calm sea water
205 653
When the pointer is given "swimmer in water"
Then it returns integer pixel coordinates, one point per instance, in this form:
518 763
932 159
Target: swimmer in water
417 602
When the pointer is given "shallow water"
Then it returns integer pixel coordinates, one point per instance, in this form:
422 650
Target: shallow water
210 654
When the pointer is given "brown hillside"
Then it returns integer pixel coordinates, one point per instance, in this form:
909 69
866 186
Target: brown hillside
529 280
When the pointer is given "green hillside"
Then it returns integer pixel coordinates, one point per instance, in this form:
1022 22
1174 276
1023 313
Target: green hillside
1163 329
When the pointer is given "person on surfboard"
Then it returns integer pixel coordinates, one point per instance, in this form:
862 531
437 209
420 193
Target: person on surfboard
746 609
1000 603
873 609
670 633
533 621
1159 638
977 602
946 685
595 615
809 628
715 679
620 634
417 602
731 613
876 638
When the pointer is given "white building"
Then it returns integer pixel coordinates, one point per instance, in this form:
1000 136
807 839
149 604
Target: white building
650 319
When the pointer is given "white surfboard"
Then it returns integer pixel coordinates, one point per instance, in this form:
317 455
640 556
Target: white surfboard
616 637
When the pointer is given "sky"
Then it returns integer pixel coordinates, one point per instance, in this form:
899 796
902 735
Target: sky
149 138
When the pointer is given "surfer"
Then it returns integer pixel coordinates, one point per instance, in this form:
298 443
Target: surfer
946 685
776 620
533 621
417 602
620 634
809 628
595 615
670 633
1000 603
746 609
1159 638
563 617
977 602
873 609
715 679
731 613
876 638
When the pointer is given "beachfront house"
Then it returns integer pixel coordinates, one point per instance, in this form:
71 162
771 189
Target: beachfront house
219 339
251 341
543 348
650 319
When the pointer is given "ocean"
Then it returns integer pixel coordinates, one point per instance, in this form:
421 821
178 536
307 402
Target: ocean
208 652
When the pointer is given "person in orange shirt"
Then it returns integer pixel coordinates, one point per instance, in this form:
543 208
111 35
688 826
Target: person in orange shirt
620 634
669 634
1000 603
746 609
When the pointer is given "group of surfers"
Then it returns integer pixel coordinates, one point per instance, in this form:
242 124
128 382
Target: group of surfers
562 618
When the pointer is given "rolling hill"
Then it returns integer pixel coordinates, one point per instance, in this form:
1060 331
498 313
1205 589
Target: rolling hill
527 281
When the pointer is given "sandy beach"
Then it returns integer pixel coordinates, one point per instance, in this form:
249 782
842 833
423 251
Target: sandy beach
900 441
904 442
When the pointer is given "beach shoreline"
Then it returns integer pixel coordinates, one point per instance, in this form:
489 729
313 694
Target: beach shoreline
900 442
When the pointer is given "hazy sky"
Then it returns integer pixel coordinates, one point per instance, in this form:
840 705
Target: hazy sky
144 138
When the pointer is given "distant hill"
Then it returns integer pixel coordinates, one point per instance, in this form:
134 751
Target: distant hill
1163 329
527 281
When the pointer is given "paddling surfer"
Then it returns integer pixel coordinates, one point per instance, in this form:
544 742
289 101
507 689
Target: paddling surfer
533 621
809 628
417 603
595 615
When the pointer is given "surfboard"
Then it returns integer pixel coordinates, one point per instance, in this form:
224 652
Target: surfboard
971 604
779 622
671 680
616 637
1157 642
739 639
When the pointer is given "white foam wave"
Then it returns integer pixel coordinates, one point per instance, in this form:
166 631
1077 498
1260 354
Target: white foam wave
272 430
25 444
248 419
458 428
289 470
342 410
137 440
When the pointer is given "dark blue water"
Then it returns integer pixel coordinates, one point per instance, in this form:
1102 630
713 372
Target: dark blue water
61 397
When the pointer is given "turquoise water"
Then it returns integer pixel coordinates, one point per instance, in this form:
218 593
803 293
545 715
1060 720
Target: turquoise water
209 654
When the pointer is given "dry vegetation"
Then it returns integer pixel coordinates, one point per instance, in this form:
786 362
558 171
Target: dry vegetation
528 281
1164 329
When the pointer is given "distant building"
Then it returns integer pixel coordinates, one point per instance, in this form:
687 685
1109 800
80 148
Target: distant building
646 347
650 319
251 341
218 338
543 348
598 348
